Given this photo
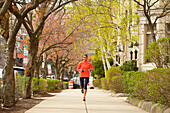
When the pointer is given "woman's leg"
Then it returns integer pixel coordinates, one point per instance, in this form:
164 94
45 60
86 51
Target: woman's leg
85 86
82 83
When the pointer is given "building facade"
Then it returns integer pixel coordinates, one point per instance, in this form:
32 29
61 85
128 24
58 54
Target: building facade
161 29
136 50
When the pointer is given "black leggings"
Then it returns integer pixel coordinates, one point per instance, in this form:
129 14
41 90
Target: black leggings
82 82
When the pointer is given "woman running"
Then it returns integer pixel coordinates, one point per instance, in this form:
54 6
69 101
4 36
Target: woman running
83 68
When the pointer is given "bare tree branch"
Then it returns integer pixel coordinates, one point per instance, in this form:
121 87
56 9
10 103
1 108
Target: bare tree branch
165 11
154 3
42 22
139 3
53 45
6 5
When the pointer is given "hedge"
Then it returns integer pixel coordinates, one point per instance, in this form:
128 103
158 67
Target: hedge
53 84
152 85
20 86
104 84
97 83
115 79
38 85
113 71
130 65
116 84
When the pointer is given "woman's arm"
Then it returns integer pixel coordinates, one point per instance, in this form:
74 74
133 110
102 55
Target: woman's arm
78 67
91 67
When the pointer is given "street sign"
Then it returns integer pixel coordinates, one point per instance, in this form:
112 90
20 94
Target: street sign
49 69
25 51
25 61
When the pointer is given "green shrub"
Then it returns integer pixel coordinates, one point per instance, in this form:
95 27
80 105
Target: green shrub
38 85
97 76
58 84
104 84
65 85
116 84
98 68
51 84
20 86
42 86
113 71
130 65
111 61
35 85
159 86
97 83
135 84
152 85
158 52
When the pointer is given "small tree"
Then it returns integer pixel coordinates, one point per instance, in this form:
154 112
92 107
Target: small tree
98 70
158 52
130 65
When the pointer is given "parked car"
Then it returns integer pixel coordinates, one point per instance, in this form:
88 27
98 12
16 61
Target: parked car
90 84
18 71
76 82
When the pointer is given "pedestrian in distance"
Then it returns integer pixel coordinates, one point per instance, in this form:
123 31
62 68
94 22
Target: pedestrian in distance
84 68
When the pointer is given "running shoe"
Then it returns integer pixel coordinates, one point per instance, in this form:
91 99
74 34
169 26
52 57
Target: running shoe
82 91
84 99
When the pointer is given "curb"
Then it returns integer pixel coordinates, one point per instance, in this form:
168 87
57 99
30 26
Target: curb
149 106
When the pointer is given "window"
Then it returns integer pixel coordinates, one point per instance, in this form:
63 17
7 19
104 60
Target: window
149 29
131 55
117 58
136 53
168 27
148 38
168 30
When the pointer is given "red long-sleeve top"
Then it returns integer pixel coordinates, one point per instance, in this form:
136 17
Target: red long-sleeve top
85 65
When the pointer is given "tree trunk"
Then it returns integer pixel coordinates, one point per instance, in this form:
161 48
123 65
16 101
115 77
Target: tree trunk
107 61
29 71
58 73
37 67
62 78
70 73
8 77
57 65
104 64
8 72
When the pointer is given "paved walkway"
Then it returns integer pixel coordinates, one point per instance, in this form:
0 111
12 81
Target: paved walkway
70 101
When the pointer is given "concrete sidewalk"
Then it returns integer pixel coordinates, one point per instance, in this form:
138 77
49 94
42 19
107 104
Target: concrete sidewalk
70 101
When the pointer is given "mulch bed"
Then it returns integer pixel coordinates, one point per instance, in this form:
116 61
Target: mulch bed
25 104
